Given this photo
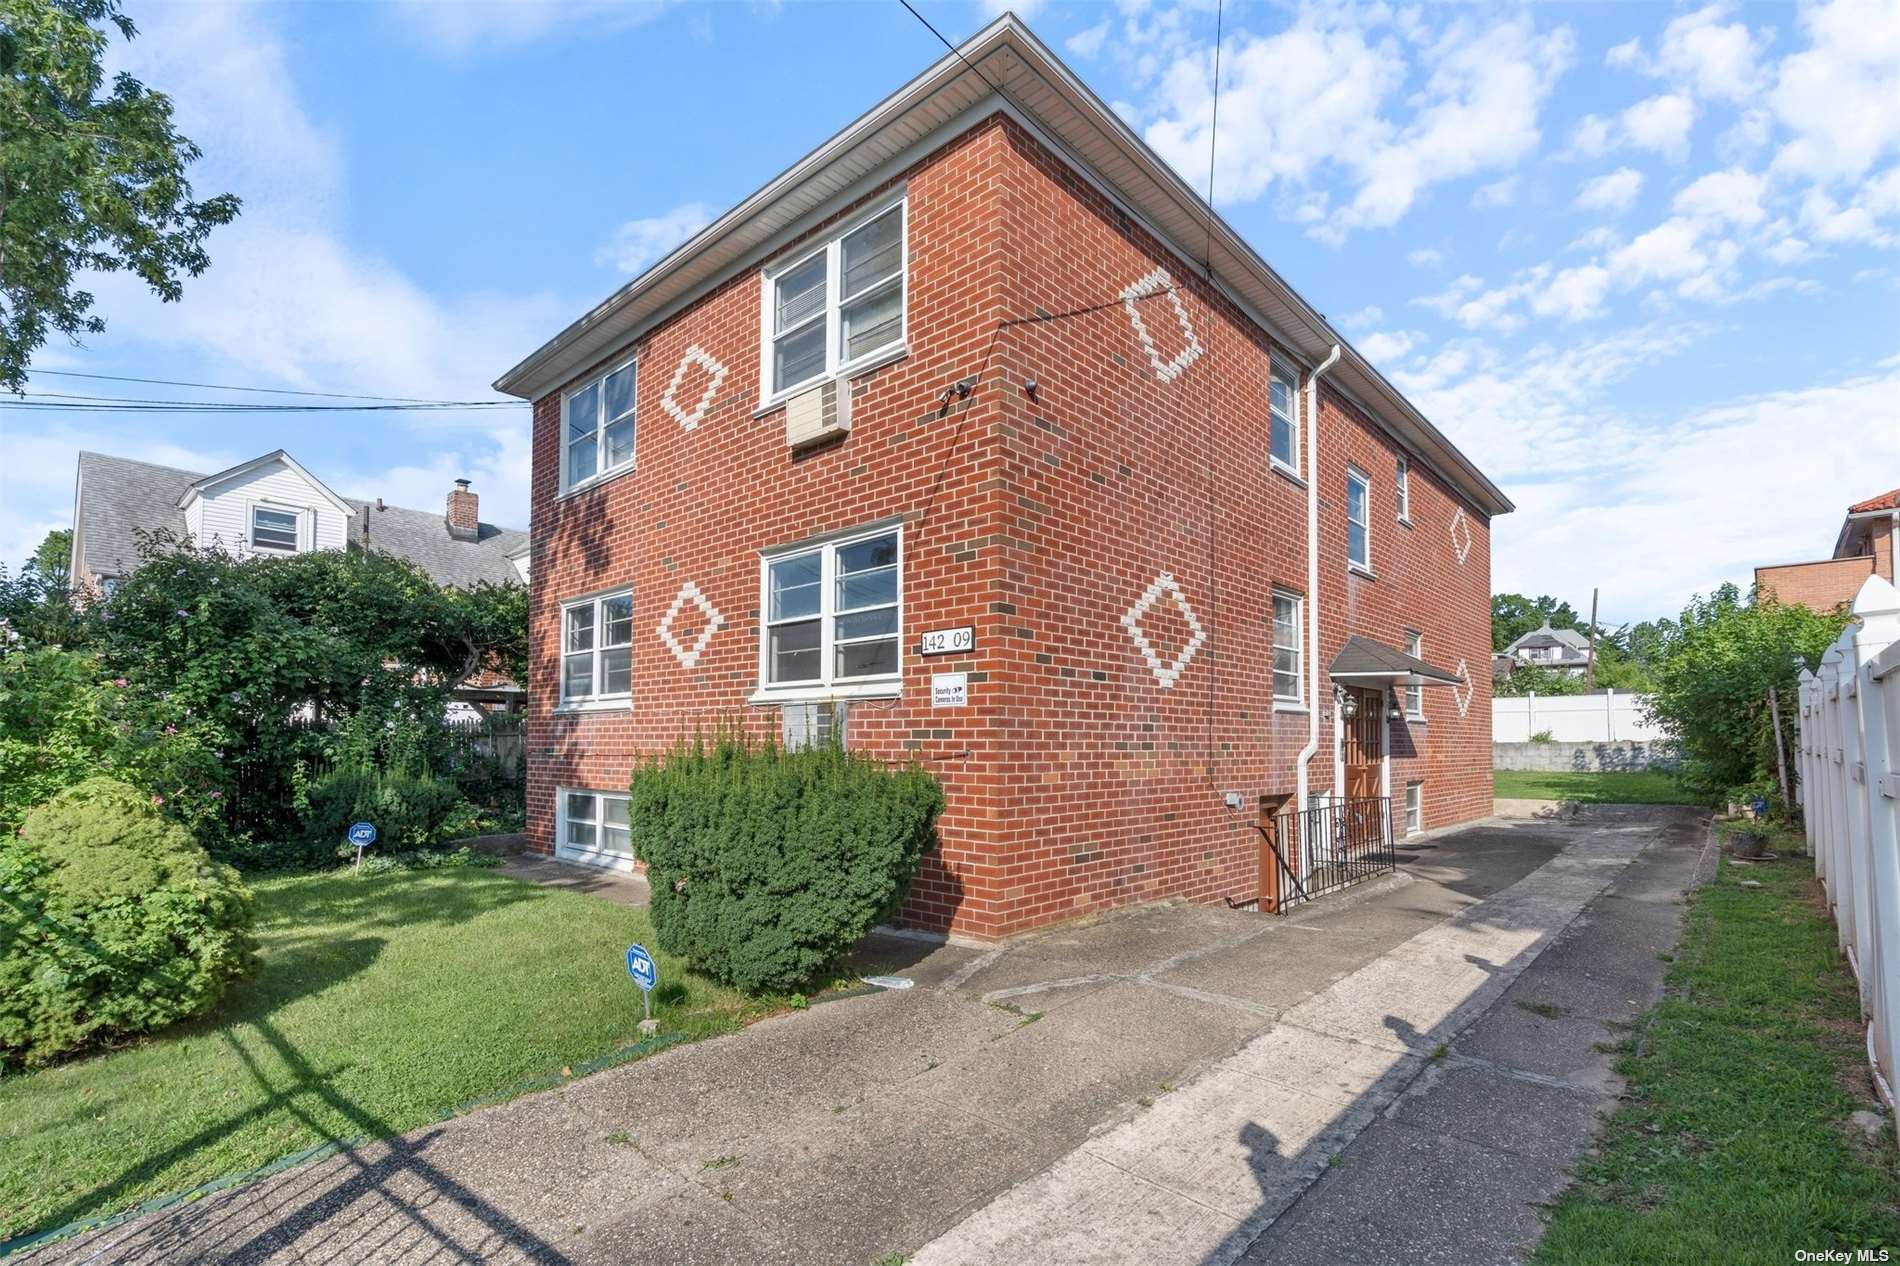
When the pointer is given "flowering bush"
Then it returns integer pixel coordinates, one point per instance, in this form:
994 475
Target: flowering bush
62 721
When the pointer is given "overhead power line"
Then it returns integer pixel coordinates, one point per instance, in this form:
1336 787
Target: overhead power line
217 386
114 405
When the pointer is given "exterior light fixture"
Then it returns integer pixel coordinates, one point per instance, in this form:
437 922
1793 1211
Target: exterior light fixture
1349 707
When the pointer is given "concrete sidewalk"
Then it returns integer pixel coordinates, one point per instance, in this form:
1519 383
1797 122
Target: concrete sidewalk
1166 1084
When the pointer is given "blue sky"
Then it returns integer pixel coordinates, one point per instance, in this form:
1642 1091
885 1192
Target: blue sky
1638 260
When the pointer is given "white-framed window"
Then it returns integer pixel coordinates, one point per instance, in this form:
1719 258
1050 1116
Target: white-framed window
1402 485
1415 695
597 428
593 826
1358 519
274 529
597 648
1289 683
833 612
1283 403
836 306
1414 807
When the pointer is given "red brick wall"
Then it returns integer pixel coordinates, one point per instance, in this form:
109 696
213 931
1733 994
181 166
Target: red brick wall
1819 586
1074 780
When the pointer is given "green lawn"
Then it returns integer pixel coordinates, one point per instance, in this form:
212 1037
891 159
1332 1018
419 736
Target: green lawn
1644 787
1731 1144
382 1003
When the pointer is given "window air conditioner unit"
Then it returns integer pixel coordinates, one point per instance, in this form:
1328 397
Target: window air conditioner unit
814 416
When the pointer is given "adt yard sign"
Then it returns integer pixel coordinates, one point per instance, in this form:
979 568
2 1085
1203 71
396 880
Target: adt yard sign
362 835
640 967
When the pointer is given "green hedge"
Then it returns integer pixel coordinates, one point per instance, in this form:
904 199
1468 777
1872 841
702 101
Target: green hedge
113 922
768 866
411 811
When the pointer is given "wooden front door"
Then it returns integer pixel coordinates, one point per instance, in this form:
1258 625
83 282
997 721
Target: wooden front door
1365 745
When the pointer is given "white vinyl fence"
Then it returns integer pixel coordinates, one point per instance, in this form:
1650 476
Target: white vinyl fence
1849 766
1608 716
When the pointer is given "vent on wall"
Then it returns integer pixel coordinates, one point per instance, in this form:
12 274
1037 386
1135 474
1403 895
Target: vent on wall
814 416
803 726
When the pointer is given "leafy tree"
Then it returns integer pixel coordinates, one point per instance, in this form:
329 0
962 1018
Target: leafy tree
92 178
1513 615
1713 672
53 559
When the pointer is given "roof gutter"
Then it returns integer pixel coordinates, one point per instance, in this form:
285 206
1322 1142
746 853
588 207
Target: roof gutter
1305 758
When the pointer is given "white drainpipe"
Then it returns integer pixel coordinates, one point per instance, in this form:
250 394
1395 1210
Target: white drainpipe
1314 698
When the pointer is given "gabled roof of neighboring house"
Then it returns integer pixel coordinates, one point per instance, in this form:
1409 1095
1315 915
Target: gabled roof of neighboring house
1885 501
1543 635
958 91
119 497
203 486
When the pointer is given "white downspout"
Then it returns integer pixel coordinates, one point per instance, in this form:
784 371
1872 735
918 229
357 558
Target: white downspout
1314 698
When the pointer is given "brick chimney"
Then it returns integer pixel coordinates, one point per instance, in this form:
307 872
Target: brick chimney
464 517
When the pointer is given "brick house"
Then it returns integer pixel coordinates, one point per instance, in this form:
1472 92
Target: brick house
1864 547
976 435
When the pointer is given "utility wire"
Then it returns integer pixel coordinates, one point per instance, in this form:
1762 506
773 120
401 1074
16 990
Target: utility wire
112 405
214 386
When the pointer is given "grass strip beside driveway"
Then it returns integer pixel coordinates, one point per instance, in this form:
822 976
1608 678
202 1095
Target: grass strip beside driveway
1732 1142
382 1003
1648 786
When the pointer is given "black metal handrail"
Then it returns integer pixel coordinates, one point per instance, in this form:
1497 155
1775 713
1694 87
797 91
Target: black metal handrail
1336 844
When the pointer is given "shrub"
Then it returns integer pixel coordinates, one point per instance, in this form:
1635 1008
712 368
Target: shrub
113 922
768 866
410 810
1543 736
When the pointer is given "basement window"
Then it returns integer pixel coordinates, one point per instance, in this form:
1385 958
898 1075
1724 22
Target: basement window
838 307
1414 807
594 827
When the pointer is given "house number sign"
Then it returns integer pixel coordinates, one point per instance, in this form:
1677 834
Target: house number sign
948 641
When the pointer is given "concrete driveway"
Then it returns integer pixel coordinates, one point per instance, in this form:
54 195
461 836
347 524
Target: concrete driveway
1398 1073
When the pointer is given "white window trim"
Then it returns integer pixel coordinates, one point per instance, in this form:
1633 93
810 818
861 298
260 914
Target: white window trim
1291 467
596 856
1403 487
828 687
1414 785
1294 702
601 475
1353 473
832 248
299 514
1415 647
595 702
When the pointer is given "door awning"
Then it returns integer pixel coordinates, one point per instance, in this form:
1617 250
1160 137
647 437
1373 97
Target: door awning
1362 660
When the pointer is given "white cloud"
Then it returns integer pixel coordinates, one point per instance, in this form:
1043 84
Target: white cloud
638 243
1661 123
1499 193
1612 191
1733 196
1715 58
1827 221
1319 95
1838 95
1425 257
1627 55
1389 346
459 27
1365 318
1573 293
1085 44
1669 252
1592 136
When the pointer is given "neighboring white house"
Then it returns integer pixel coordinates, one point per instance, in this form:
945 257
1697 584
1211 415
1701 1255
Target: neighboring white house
272 505
1560 650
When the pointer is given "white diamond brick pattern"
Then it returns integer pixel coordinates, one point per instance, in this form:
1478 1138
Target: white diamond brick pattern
1463 692
689 656
1166 674
1460 529
1154 282
715 374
